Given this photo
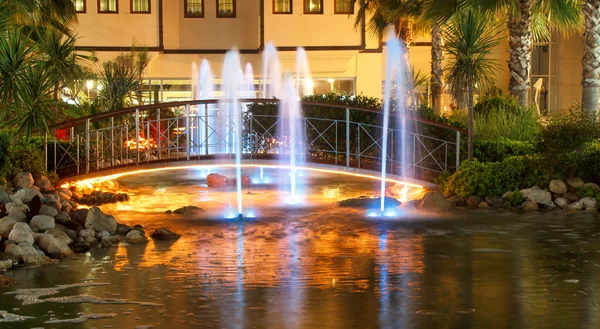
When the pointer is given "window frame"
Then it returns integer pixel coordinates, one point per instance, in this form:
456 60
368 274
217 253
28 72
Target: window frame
336 12
140 12
283 12
84 7
185 10
109 12
312 12
219 15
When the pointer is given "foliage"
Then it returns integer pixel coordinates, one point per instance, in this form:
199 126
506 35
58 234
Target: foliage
520 125
568 131
16 156
493 150
586 191
493 102
456 119
516 198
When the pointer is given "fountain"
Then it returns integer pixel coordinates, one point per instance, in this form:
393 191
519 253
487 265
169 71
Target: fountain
304 83
271 72
202 88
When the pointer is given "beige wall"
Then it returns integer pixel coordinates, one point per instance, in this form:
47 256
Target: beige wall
569 70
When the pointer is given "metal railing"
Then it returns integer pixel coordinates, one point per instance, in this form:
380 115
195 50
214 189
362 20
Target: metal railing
195 130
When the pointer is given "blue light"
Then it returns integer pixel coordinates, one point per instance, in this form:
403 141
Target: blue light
250 214
390 212
230 214
372 213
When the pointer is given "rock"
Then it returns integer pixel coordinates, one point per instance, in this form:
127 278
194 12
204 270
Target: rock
139 227
23 227
6 282
4 197
527 191
62 217
588 203
24 180
540 196
25 195
87 233
48 211
216 180
123 229
571 196
575 182
43 183
33 256
79 215
189 211
17 211
5 265
6 225
456 201
20 236
63 196
593 186
530 205
135 237
102 234
507 195
164 234
66 206
72 234
80 247
91 241
561 202
59 235
434 200
577 205
496 202
34 207
483 204
98 221
16 253
106 243
558 186
40 223
53 247
66 192
168 212
364 202
473 201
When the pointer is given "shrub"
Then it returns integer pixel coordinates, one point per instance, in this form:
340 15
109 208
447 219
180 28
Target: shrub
521 125
492 150
23 155
568 131
493 103
516 198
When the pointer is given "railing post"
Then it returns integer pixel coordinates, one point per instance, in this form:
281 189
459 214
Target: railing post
46 150
148 148
137 136
347 137
358 145
54 154
187 130
78 163
206 126
158 134
87 146
457 149
98 163
112 141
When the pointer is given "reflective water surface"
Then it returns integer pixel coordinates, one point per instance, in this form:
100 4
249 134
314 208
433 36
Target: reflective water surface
318 267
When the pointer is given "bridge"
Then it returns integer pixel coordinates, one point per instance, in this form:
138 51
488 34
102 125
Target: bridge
197 131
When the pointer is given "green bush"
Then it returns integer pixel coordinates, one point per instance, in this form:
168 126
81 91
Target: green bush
493 103
568 131
521 125
516 198
20 155
498 149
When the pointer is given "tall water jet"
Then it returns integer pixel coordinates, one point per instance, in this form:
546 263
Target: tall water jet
249 81
291 133
232 87
202 88
271 72
395 72
304 83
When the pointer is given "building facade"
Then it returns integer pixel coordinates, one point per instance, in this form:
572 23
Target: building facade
343 55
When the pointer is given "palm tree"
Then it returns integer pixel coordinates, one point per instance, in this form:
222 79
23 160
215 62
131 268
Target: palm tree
55 14
469 40
121 80
590 81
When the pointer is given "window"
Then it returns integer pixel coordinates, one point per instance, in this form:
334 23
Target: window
282 6
79 6
140 6
313 6
108 6
226 8
194 8
343 7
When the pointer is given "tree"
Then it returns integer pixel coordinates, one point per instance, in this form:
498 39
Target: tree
469 40
121 80
53 14
590 81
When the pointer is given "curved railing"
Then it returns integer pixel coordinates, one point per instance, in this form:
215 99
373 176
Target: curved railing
195 130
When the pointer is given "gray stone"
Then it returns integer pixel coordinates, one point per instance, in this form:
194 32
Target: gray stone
53 247
589 203
540 196
6 225
137 237
577 205
571 196
20 236
16 253
558 186
193 210
63 196
98 221
593 186
530 205
32 255
59 235
102 234
106 243
72 234
24 180
164 234
527 191
17 211
65 191
506 195
496 202
483 204
87 233
434 200
25 195
123 229
48 211
6 264
561 202
66 206
4 197
43 183
23 227
62 217
79 215
575 182
91 241
455 200
40 223
473 201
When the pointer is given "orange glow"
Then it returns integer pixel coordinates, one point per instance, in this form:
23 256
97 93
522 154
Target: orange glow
143 146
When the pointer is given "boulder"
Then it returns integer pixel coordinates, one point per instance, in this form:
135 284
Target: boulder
558 186
106 243
473 201
527 191
20 236
140 228
4 197
571 196
540 196
456 201
25 195
123 229
561 202
79 215
17 211
216 180
15 253
66 206
24 180
40 223
530 205
62 217
33 256
575 182
496 202
6 225
434 200
192 210
483 204
102 234
65 191
5 265
98 221
588 203
59 235
53 247
91 241
87 233
577 205
137 237
43 183
48 211
593 186
164 234
23 227
507 195
63 196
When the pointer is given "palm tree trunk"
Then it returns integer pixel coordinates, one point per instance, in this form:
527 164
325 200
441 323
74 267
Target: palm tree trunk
521 40
590 82
437 71
471 126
